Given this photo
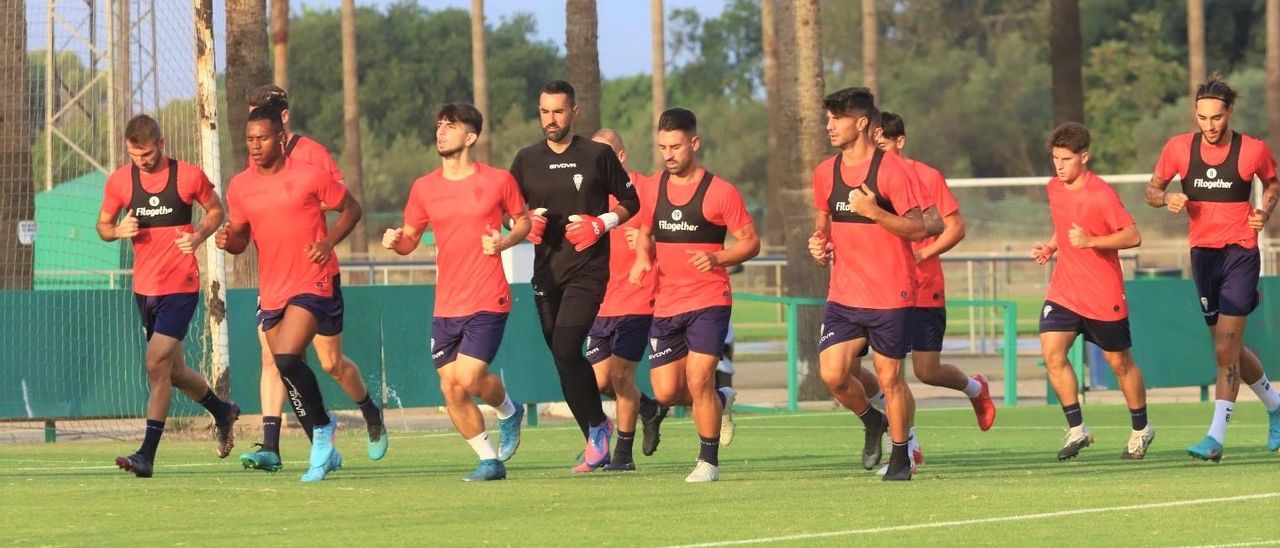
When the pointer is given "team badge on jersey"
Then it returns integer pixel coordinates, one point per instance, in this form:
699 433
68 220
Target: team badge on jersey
577 181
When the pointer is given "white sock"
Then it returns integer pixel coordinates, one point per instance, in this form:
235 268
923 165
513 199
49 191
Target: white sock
911 433
877 400
1222 410
912 442
483 448
973 389
1268 396
506 408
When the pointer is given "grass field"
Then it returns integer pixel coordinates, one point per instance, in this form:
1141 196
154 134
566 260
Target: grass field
787 479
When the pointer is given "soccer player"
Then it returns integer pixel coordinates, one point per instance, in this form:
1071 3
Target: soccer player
1086 293
929 314
1217 166
867 213
618 336
156 193
328 347
276 203
465 202
567 180
683 220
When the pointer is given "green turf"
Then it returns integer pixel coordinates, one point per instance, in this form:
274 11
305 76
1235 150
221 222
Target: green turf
784 475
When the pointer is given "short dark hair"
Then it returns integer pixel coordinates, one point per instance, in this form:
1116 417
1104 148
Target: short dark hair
142 129
462 113
1072 136
261 95
1217 88
892 125
269 113
678 119
853 102
561 87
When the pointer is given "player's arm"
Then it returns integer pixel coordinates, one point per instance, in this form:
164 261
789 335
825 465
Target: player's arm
644 254
952 233
214 213
1124 238
109 230
820 241
908 226
1270 195
933 221
493 242
1042 252
349 214
745 246
402 240
232 237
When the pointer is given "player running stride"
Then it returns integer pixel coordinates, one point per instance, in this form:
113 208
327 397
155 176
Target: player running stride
618 336
276 203
1086 293
683 221
867 212
156 193
328 347
464 202
1217 166
567 181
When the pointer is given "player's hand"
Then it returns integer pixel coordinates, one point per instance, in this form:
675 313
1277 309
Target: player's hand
187 242
392 237
1175 201
1078 237
1258 219
318 252
491 242
539 225
583 231
632 235
223 235
863 202
919 255
703 261
128 226
638 271
820 247
1042 252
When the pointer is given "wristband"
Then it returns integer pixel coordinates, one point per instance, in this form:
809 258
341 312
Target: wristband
610 221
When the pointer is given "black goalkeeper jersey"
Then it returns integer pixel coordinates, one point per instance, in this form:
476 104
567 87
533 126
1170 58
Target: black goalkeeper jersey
578 180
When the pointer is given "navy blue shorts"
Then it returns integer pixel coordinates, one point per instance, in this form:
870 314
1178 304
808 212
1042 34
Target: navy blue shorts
327 310
1111 336
478 336
927 326
621 336
1227 280
168 315
886 330
702 331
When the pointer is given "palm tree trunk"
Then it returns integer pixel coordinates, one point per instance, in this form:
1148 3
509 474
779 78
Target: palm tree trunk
582 63
17 200
1273 74
480 77
1195 43
658 41
351 123
246 69
1065 60
280 42
870 47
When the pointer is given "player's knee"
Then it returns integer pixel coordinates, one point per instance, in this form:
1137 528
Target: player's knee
926 374
335 366
1054 362
665 394
836 378
620 380
1226 351
699 384
890 379
288 362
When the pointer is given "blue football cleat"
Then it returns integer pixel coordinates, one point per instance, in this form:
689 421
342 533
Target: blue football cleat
509 429
1273 430
377 445
487 470
322 451
262 459
1207 449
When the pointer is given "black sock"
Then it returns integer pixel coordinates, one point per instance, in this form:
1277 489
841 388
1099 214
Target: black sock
710 451
723 379
304 390
1074 416
151 440
372 414
1138 417
303 420
648 407
872 417
723 401
899 453
271 433
622 450
214 405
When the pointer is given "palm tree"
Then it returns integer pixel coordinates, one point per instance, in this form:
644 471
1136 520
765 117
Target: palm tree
775 97
246 69
582 62
15 148
870 47
1065 59
1273 74
657 16
803 276
1195 42
351 122
480 76
280 42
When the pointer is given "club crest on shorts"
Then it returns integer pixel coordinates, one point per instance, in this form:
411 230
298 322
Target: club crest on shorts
433 344
1204 303
1047 310
653 343
577 181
